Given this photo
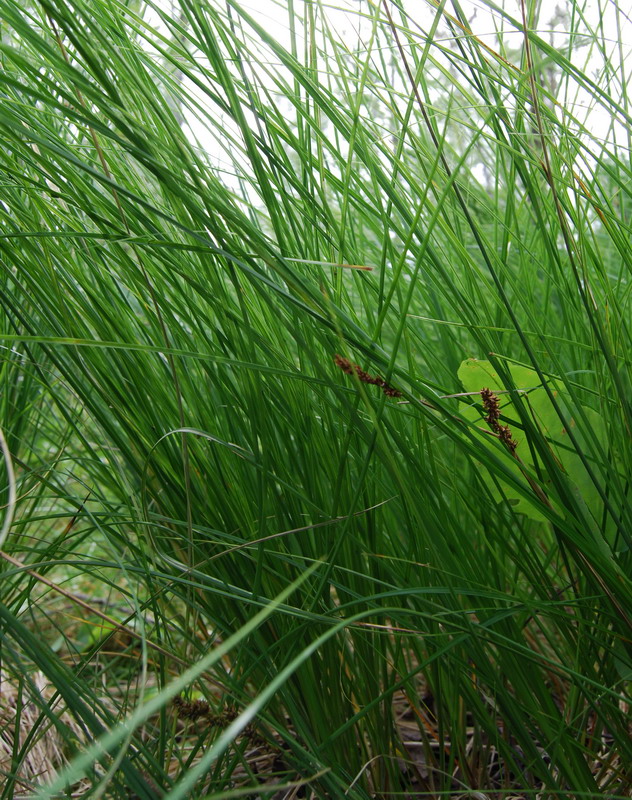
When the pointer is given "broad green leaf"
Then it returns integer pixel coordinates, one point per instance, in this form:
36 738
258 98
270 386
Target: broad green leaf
476 375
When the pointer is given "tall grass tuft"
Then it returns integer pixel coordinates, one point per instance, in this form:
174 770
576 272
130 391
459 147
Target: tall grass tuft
315 354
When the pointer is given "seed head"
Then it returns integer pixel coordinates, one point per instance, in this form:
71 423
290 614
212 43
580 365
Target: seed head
354 369
491 404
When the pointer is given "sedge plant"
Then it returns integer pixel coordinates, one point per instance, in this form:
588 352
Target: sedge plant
315 354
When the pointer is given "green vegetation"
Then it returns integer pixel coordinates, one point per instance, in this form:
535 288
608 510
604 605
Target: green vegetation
315 356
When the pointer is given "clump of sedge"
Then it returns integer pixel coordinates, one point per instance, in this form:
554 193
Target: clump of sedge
491 404
354 369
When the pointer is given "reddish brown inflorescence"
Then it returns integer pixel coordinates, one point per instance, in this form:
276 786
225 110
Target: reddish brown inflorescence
491 404
354 369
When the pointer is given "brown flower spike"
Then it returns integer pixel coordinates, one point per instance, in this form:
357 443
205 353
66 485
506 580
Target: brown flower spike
197 709
354 369
491 404
194 710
